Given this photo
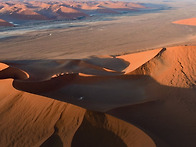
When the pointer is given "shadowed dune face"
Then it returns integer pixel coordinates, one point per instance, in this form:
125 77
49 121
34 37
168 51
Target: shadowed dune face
15 73
154 90
169 119
99 129
72 87
33 120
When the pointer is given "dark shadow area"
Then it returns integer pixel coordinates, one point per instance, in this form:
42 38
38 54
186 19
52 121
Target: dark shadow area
92 133
165 113
169 120
53 141
167 116
12 72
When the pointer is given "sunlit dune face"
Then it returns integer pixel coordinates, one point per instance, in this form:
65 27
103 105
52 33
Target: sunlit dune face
190 21
85 75
156 86
3 66
60 74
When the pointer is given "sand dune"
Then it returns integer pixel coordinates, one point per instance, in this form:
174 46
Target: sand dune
189 21
142 99
34 10
5 23
19 11
70 12
45 122
138 59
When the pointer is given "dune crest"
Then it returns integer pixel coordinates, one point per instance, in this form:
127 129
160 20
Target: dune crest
174 66
47 122
12 72
153 90
138 59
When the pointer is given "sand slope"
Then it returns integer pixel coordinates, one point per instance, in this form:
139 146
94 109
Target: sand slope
32 120
170 118
153 90
189 21
5 23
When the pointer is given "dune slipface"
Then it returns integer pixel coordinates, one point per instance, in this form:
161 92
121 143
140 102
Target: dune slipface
142 99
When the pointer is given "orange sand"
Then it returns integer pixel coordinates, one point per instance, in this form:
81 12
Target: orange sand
189 21
144 99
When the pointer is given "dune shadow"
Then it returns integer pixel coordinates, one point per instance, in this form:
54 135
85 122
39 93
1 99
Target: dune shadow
165 113
92 133
169 120
53 141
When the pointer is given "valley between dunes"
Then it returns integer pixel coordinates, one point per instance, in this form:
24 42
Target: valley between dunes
143 99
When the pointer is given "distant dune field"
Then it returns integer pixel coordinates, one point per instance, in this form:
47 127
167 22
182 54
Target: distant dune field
62 10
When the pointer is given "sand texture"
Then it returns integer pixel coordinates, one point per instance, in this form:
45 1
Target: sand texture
144 99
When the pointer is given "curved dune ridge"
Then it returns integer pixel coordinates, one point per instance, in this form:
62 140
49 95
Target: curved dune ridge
141 99
189 21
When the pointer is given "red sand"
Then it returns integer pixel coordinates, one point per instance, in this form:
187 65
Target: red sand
189 21
154 90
